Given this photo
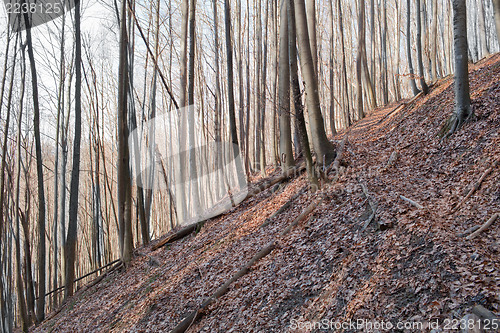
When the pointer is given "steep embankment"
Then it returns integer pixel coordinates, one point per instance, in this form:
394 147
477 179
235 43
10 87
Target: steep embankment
329 267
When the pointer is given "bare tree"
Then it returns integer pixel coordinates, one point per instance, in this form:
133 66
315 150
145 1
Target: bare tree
408 48
75 173
286 153
40 306
496 9
463 110
424 86
322 146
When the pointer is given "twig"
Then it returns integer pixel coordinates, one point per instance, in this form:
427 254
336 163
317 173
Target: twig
411 202
483 227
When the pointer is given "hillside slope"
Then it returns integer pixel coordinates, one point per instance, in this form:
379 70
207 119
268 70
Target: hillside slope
329 267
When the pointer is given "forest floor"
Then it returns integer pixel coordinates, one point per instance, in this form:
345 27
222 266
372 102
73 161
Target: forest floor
329 267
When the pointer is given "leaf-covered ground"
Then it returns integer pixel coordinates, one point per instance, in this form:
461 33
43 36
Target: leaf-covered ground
329 267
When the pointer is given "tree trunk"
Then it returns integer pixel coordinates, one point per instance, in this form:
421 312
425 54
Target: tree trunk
408 48
496 9
297 99
482 30
424 86
70 251
332 86
462 97
385 84
346 103
323 148
40 306
311 25
123 185
434 34
286 152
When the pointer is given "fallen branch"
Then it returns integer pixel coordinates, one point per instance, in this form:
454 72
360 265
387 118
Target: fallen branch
187 230
483 227
476 186
192 316
469 231
411 202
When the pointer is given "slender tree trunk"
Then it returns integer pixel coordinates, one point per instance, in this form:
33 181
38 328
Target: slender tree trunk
332 57
71 239
323 148
346 103
424 86
40 305
434 56
25 322
359 59
286 152
385 84
408 48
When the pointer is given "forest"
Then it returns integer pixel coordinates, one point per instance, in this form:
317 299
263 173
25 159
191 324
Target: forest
249 166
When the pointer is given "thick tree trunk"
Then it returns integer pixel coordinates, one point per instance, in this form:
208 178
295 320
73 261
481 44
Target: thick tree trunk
297 99
311 25
462 97
286 152
482 30
323 148
124 186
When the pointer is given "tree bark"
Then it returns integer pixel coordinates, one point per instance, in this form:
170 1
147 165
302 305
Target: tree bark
408 48
124 185
425 88
40 306
297 99
496 9
70 251
346 103
323 148
462 96
286 152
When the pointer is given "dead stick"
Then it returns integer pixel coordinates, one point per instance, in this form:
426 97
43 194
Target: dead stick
411 202
192 316
476 185
483 227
